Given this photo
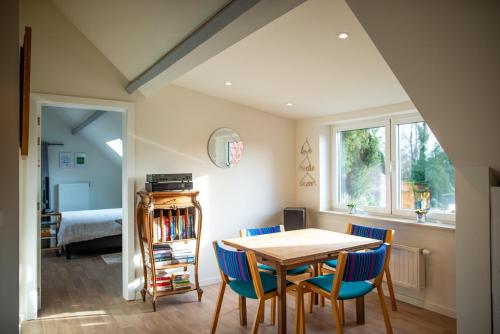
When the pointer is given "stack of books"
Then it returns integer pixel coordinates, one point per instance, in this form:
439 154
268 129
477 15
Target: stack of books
180 280
163 282
182 253
162 254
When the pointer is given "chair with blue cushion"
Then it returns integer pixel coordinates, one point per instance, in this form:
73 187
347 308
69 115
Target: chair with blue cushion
295 274
386 236
238 270
357 274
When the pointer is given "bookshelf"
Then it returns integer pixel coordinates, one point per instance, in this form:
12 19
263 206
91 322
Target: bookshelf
169 231
49 227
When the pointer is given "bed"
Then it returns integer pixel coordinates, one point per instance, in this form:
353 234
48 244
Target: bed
89 230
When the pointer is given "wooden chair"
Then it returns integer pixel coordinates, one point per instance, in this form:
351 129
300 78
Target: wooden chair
386 236
295 274
238 269
352 280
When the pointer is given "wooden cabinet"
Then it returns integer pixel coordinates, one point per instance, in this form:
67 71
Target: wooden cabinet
169 231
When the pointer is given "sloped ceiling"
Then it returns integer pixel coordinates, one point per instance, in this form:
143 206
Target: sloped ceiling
106 128
446 54
135 34
298 58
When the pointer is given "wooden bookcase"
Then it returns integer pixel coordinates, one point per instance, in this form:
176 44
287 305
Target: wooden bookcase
181 210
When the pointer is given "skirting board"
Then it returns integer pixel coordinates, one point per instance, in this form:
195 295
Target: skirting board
447 311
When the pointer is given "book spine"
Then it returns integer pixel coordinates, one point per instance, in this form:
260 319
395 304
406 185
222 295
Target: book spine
162 227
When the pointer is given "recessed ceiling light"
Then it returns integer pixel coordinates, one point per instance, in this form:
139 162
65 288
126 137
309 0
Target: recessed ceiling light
228 83
343 35
289 104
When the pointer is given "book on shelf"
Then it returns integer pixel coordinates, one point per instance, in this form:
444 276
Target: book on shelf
181 280
163 282
172 225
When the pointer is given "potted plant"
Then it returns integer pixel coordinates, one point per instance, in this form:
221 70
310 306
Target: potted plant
352 207
421 214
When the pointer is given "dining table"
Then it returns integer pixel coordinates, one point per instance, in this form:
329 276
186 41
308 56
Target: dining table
290 249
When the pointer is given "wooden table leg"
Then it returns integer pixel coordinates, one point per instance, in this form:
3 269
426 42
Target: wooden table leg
281 277
360 310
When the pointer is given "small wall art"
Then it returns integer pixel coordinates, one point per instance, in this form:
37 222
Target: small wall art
80 159
65 160
306 165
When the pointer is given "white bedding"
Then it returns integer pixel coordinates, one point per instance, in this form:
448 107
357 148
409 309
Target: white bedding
88 225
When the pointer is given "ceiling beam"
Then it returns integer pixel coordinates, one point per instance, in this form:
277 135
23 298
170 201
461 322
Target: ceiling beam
213 25
95 115
232 23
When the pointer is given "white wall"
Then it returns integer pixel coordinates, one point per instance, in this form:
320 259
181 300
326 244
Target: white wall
9 176
102 173
439 294
172 129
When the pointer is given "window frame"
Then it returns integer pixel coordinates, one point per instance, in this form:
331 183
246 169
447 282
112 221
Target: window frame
391 167
335 163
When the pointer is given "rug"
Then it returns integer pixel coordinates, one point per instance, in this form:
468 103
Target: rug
112 258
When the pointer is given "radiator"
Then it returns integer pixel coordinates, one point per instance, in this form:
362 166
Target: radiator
408 266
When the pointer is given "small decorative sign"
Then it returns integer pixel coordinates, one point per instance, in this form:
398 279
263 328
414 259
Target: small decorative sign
306 165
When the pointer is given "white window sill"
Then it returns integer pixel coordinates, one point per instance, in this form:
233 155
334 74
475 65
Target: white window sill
431 224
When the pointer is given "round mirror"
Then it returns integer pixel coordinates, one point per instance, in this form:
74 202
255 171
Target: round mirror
225 148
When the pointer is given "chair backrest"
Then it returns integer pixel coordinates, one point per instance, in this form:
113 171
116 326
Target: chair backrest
251 232
385 235
233 263
364 266
360 266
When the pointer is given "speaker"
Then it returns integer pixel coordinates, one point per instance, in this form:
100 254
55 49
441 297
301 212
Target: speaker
294 218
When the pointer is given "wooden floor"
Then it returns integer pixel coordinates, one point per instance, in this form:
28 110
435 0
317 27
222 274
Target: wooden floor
82 295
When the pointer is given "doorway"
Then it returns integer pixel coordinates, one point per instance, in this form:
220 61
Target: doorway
66 158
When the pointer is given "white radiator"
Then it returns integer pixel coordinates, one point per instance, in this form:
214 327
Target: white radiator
408 266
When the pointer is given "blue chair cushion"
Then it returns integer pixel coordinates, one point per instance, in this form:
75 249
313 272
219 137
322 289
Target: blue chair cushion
295 271
331 263
348 290
246 289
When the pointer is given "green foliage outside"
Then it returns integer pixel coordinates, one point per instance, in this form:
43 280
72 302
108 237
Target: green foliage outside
423 165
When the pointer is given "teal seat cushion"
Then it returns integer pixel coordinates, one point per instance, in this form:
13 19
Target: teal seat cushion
348 290
331 263
294 271
246 289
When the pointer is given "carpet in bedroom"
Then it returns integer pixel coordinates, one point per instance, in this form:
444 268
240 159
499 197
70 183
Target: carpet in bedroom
112 258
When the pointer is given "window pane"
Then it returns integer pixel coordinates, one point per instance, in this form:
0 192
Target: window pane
426 175
362 178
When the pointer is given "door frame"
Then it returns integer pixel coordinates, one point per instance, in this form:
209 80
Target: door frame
30 259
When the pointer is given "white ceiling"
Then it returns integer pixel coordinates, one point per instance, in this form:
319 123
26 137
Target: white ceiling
135 34
105 128
298 58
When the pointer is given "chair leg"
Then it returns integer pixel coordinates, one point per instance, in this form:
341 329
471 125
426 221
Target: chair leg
263 313
360 310
311 302
385 313
258 316
322 300
299 311
341 312
242 304
218 307
273 311
391 289
336 316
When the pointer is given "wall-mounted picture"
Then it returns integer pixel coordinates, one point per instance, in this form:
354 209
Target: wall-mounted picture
65 160
80 159
24 79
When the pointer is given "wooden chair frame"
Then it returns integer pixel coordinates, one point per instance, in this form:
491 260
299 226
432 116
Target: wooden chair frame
259 291
337 305
293 278
325 269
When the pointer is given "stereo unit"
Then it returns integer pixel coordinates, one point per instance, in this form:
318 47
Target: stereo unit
169 182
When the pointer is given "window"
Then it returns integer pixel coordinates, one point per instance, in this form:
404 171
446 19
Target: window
422 176
116 145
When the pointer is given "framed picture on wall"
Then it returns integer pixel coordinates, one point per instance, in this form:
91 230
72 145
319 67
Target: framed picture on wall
65 160
80 159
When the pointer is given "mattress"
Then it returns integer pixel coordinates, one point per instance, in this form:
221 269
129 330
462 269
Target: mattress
89 225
